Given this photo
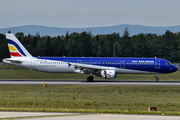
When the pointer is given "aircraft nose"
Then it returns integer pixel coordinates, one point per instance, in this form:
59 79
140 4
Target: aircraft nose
173 68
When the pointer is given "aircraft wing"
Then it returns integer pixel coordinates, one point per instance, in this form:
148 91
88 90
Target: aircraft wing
89 69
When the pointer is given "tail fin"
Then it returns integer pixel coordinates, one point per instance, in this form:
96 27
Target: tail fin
16 49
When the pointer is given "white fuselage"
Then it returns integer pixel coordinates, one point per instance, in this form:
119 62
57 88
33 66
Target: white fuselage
61 66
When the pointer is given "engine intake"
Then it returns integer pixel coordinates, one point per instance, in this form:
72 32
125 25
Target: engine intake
108 74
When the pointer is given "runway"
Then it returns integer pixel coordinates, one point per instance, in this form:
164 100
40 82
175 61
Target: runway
30 114
80 116
78 82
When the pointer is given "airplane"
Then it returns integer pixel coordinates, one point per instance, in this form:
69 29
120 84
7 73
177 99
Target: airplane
107 68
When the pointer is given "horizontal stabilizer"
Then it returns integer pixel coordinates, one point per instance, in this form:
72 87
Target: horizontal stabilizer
9 60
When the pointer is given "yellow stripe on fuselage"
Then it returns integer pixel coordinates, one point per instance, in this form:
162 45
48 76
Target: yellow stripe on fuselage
11 48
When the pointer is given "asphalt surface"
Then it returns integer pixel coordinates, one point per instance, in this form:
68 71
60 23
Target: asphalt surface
111 117
80 116
31 114
78 82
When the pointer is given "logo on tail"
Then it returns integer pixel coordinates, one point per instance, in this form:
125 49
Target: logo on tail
16 49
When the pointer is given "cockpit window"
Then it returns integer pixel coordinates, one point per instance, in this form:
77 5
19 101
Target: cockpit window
167 63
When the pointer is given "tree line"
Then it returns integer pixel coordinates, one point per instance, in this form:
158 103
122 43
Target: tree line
84 44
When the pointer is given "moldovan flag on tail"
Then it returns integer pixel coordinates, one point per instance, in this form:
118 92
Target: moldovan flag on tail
16 49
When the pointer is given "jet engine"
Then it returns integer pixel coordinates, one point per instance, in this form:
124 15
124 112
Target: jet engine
108 74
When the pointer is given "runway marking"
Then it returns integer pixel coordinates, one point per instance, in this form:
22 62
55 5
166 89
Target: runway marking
46 116
87 117
49 82
73 118
7 116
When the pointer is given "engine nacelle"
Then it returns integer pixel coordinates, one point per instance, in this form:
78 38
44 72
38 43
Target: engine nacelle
108 74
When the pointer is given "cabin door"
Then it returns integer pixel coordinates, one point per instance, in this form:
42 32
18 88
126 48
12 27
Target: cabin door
157 64
122 64
33 63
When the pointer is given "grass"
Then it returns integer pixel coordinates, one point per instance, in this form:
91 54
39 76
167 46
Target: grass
14 72
30 74
77 98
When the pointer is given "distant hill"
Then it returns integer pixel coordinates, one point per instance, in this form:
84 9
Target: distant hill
55 31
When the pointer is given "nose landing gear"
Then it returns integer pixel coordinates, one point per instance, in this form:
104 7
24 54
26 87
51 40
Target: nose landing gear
157 79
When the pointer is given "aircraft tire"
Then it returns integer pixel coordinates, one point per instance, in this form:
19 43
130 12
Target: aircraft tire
157 80
90 78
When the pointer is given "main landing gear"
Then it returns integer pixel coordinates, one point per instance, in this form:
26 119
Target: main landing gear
90 78
157 79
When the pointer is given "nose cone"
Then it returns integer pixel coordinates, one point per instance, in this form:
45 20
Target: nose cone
173 68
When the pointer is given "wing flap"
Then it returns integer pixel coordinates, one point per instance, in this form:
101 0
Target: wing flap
87 69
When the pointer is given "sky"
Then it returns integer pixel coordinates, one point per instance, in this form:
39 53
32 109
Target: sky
89 13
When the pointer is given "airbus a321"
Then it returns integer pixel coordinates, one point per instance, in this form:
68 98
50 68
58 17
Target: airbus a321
106 68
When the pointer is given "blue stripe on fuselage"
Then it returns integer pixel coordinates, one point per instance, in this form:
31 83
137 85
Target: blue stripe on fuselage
116 62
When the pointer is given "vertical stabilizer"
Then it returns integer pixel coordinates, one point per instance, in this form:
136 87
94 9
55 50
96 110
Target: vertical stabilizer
16 49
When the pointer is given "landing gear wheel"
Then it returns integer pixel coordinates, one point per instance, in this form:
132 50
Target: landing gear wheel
157 79
90 78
